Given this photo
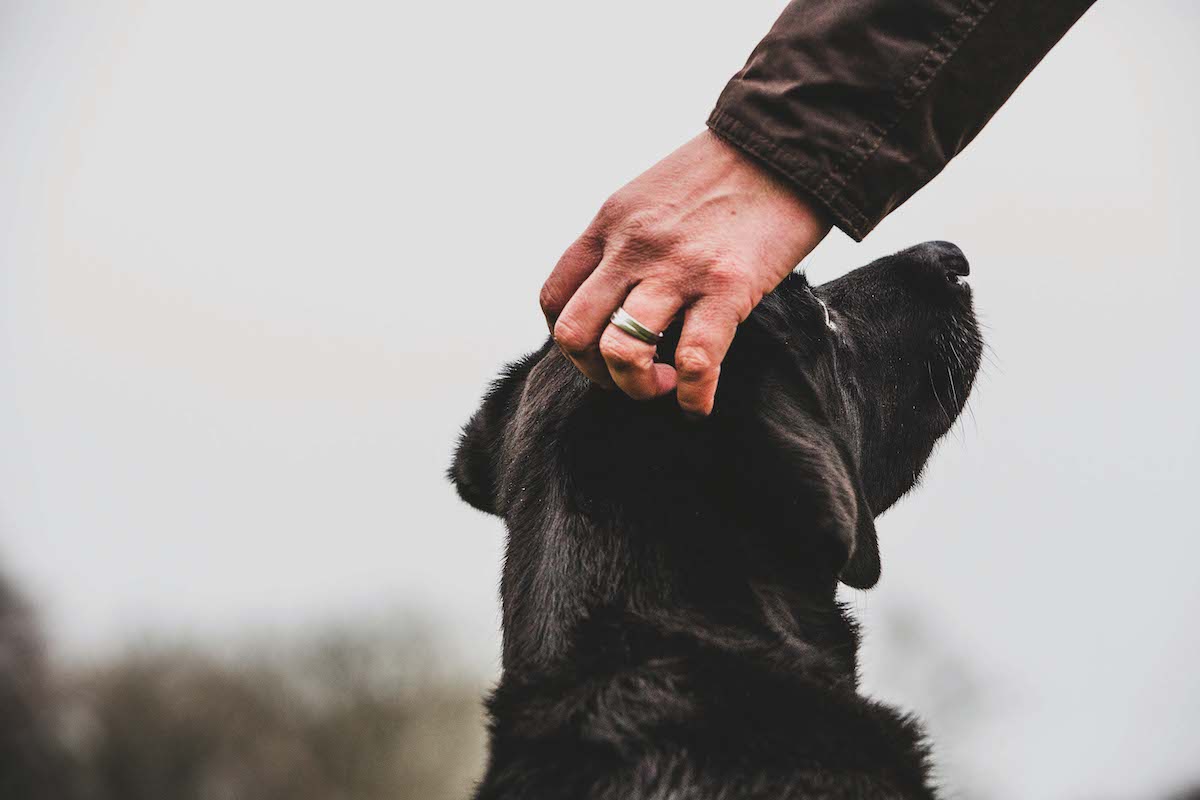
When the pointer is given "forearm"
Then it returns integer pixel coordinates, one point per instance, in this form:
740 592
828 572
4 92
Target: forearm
860 103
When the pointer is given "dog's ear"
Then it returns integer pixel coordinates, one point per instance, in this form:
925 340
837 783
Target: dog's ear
476 468
802 470
863 567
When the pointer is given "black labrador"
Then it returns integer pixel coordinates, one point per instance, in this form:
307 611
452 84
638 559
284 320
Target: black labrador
671 628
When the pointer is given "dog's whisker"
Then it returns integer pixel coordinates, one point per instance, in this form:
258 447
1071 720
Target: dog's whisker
936 396
988 352
959 427
961 363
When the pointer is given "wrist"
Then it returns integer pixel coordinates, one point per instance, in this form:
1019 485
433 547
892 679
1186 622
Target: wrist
793 214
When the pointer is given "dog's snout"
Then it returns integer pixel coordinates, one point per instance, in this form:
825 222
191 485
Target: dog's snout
939 264
950 257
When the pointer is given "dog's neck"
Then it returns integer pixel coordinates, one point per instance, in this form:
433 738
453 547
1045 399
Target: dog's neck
641 589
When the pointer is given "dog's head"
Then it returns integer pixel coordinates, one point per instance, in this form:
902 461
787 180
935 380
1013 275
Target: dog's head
830 402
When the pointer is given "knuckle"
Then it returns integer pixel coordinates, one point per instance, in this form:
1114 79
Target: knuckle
550 300
569 336
639 222
646 225
693 363
740 304
611 210
618 350
643 235
721 276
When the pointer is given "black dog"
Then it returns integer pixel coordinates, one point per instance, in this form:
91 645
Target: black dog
670 623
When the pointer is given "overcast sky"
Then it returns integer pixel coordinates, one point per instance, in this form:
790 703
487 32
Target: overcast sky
259 260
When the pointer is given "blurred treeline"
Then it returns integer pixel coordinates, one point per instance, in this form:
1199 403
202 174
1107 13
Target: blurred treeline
339 716
349 714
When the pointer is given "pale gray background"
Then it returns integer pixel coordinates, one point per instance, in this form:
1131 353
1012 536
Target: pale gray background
260 259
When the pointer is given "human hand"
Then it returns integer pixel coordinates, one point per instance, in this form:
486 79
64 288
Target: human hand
705 232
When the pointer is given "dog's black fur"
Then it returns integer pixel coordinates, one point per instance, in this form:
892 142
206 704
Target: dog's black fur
670 622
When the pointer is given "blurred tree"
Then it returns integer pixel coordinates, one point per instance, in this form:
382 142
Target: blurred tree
357 714
348 717
32 764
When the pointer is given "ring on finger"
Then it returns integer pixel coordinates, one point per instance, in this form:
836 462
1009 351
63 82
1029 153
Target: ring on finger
625 321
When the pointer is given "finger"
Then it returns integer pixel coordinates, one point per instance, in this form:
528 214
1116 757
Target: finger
708 330
581 258
630 360
581 323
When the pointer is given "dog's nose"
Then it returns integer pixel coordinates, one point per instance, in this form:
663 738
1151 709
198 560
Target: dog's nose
949 257
940 264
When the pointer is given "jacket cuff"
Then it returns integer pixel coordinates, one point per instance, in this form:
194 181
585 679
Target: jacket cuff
811 183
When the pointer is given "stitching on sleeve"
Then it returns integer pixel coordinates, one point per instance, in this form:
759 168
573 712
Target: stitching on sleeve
870 140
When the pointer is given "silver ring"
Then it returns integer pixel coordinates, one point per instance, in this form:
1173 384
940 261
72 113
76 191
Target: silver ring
637 330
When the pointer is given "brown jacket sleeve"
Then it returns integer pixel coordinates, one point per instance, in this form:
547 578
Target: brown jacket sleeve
860 103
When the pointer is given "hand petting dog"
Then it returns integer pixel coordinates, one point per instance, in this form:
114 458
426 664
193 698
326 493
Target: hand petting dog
705 232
